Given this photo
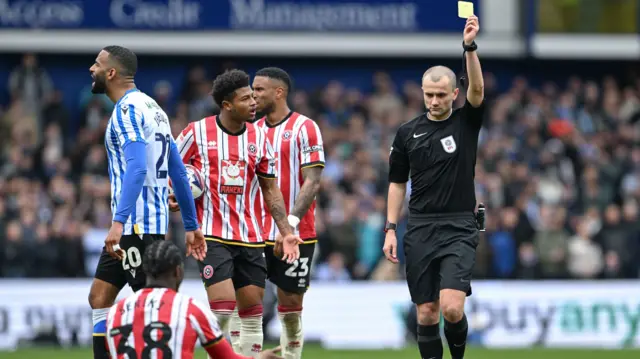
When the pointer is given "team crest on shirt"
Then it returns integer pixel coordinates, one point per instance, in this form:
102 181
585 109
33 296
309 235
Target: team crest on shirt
232 179
449 144
253 149
286 136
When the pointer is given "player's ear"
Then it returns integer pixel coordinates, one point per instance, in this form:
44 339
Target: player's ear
456 91
227 105
111 73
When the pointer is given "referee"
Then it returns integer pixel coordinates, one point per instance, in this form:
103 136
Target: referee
438 149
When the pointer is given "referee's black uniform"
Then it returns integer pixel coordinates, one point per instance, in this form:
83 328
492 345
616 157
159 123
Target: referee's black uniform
441 238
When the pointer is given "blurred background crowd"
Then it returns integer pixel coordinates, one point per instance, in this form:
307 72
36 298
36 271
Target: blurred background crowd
558 169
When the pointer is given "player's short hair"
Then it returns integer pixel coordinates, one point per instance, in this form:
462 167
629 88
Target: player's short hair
161 257
226 84
276 73
124 58
436 73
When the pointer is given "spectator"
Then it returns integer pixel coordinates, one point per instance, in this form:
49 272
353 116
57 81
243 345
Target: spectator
558 168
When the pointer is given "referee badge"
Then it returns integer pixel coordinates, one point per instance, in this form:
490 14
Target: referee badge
449 144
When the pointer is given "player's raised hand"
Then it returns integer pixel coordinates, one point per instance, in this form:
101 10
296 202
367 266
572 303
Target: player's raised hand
196 244
173 203
270 354
471 29
390 247
112 242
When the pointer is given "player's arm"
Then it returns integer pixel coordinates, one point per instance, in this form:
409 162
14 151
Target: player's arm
475 92
181 188
130 133
311 150
275 203
266 172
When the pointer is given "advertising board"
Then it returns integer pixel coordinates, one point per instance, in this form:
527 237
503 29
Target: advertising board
372 315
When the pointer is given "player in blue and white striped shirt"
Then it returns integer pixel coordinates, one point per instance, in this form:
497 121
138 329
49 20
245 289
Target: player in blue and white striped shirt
142 157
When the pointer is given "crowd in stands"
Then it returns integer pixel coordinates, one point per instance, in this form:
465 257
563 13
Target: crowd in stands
558 169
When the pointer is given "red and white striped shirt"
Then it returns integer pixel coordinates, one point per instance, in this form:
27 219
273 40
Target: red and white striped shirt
230 211
159 323
297 144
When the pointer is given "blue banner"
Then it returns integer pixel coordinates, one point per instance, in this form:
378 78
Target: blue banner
240 15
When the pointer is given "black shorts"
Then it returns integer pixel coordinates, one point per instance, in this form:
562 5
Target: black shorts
129 270
440 254
243 265
291 278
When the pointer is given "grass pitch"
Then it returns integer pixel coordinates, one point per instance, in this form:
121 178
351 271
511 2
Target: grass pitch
317 352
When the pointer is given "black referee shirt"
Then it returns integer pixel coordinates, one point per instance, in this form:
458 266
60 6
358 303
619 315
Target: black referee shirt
441 158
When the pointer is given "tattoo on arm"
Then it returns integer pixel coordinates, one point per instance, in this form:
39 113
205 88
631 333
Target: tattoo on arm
309 190
275 203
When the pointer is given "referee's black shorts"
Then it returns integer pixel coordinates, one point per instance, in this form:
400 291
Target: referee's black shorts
440 251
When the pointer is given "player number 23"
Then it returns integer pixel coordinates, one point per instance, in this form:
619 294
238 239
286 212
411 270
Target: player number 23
299 268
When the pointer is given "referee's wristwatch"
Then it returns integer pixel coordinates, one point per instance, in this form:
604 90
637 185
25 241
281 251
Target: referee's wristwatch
470 48
390 227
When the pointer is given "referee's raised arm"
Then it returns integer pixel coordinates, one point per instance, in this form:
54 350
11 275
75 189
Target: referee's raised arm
475 91
398 176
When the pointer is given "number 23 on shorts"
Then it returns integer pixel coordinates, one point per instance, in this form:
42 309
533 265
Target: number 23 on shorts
299 268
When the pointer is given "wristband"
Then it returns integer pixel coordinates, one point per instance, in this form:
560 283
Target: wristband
293 221
470 48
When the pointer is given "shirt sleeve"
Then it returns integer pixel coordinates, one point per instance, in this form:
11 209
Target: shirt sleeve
133 181
267 161
310 145
399 165
186 143
475 115
205 324
129 124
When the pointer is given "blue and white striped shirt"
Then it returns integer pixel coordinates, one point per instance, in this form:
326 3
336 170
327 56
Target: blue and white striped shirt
138 118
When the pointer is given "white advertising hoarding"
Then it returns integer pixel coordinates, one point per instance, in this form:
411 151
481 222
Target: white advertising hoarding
370 315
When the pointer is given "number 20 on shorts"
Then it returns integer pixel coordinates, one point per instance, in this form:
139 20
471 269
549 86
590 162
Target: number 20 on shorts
132 258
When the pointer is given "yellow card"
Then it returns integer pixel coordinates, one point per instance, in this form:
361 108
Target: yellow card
465 9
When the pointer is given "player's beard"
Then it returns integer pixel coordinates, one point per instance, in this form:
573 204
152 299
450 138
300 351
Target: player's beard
268 108
99 84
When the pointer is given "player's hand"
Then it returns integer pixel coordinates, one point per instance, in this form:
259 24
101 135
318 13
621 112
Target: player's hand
287 247
173 203
390 247
196 244
270 354
112 242
471 29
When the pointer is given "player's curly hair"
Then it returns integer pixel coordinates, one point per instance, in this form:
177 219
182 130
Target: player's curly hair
276 73
124 58
160 258
226 84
